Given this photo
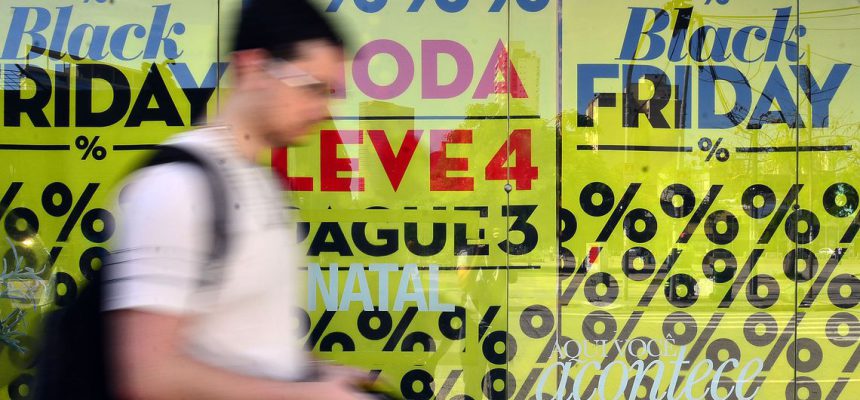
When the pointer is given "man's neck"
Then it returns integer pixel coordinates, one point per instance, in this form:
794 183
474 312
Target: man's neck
244 135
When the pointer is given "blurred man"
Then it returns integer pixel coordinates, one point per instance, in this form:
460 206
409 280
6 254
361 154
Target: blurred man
180 327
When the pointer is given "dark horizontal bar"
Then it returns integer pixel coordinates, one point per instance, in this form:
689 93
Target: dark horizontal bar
448 268
121 147
623 147
39 147
429 117
791 149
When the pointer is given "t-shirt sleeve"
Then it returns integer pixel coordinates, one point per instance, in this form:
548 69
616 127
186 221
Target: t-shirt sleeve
164 231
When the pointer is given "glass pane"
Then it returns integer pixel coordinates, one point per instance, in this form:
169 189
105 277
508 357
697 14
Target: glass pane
397 193
533 209
825 355
85 84
679 245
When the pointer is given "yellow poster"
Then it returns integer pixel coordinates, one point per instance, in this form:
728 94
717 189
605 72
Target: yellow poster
512 199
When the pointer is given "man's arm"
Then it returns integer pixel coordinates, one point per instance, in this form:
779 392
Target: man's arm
146 362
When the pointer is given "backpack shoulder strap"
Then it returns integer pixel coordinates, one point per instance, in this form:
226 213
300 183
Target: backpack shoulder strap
73 359
219 247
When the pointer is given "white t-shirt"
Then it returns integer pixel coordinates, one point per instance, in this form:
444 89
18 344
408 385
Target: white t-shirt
247 323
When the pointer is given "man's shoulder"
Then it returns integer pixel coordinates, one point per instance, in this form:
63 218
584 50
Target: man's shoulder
202 138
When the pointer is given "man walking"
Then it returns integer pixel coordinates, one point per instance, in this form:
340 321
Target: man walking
180 327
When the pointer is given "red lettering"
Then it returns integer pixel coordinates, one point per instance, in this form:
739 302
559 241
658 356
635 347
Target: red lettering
500 63
296 184
523 172
331 164
440 164
395 165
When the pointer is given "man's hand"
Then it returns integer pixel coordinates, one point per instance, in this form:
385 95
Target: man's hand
343 374
337 390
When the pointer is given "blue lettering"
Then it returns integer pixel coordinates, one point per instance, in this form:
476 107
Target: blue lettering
820 97
775 90
198 95
708 77
97 42
741 40
635 30
719 50
585 76
160 35
60 30
119 38
777 35
18 28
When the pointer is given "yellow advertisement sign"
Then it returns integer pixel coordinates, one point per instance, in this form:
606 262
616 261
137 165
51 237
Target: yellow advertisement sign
513 199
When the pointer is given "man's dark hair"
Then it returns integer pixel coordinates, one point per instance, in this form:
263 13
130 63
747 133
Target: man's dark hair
277 26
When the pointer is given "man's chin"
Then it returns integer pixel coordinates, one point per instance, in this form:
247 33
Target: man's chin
291 140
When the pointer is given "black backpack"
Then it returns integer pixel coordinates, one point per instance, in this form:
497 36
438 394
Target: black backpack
72 360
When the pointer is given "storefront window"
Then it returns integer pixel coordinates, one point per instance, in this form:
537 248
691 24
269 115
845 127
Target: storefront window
511 200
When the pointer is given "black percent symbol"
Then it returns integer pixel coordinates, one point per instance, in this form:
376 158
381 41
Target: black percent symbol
499 347
714 149
319 334
377 325
848 337
97 224
841 200
537 321
699 340
801 265
640 225
21 223
90 147
741 278
721 267
769 335
721 226
419 384
601 327
759 202
639 264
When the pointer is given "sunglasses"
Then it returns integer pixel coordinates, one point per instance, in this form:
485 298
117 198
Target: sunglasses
295 77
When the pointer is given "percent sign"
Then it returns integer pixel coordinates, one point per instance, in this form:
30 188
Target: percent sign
836 325
498 348
759 202
97 224
377 325
721 266
640 225
90 147
714 149
760 330
21 223
538 322
841 200
327 342
494 385
713 221
805 257
639 264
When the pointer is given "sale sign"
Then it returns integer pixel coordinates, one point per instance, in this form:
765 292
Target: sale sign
511 199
